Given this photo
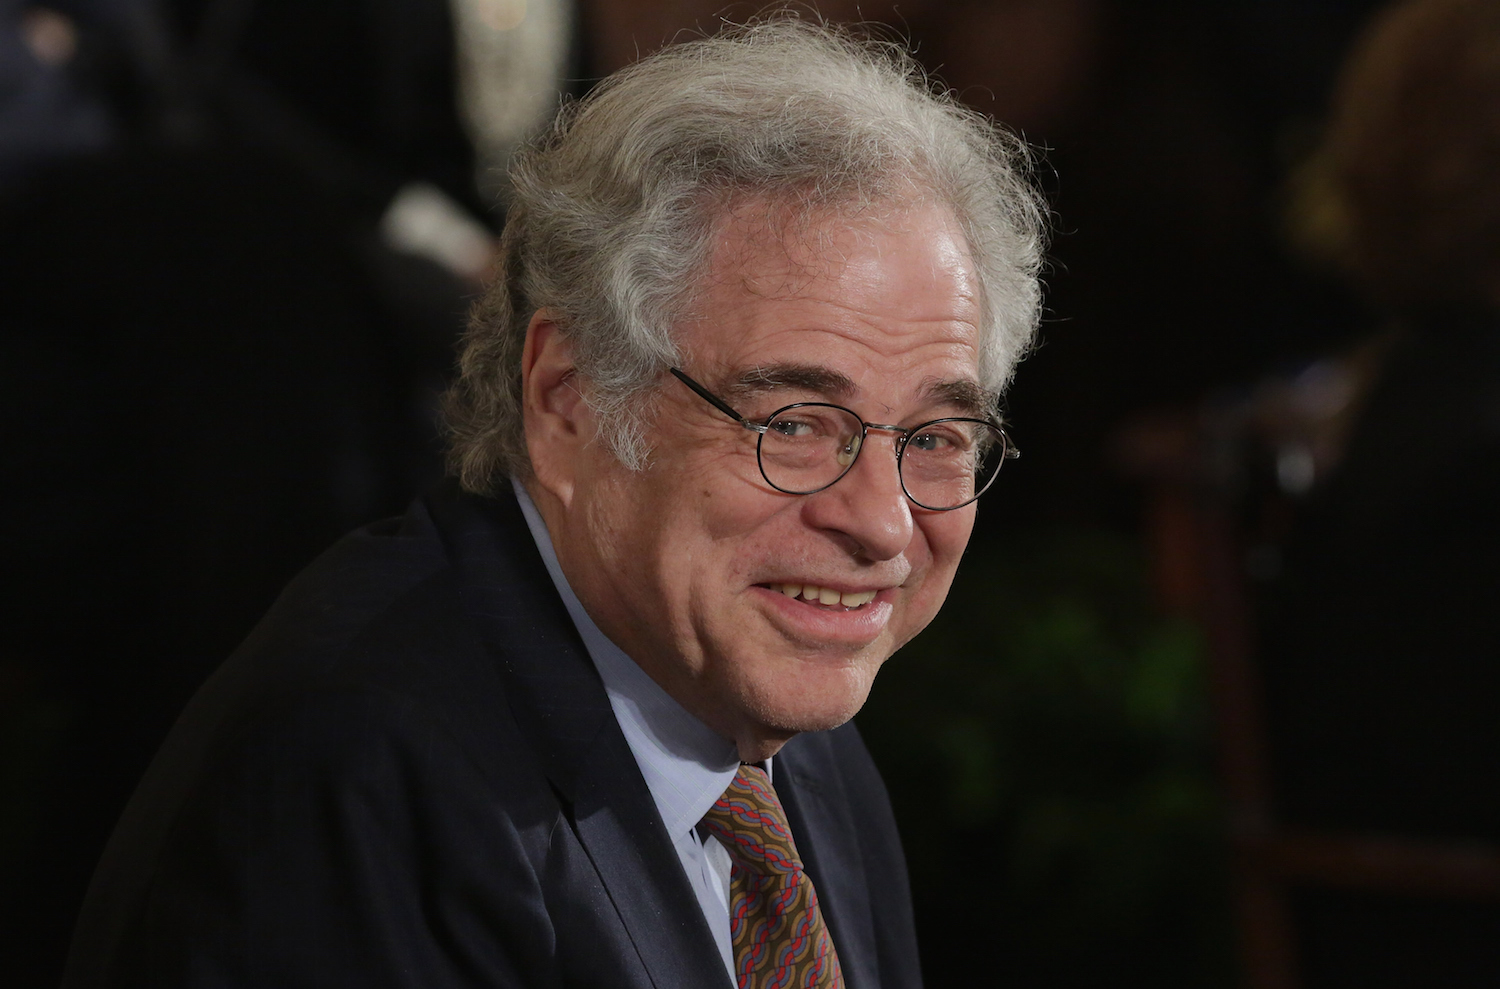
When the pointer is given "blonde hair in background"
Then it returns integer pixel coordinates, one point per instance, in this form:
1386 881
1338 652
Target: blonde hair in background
1403 195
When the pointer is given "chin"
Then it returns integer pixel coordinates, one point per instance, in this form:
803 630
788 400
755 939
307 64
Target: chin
789 706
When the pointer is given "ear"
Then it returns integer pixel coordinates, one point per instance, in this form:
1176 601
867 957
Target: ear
559 423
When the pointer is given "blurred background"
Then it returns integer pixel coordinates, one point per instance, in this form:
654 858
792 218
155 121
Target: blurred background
1214 701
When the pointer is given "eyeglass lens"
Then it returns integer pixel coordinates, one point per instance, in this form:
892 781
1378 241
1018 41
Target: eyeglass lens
945 464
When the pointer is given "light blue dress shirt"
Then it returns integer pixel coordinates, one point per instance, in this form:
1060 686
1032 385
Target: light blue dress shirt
686 765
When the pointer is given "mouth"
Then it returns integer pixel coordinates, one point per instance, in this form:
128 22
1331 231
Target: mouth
818 617
826 598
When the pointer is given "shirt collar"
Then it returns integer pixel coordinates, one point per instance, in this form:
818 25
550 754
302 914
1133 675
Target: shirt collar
687 766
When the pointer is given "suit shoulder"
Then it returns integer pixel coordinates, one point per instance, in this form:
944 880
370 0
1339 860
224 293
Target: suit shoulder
839 754
367 577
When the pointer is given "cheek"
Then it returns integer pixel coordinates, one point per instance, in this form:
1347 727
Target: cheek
627 524
945 538
947 535
731 507
674 539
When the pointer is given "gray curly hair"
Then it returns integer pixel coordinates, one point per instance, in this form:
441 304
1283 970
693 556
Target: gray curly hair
614 207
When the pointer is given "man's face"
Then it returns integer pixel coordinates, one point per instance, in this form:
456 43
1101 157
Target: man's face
685 565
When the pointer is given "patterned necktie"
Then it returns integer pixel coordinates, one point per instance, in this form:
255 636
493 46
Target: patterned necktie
780 940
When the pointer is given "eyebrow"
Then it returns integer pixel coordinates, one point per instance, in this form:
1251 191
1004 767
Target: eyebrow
968 397
787 377
975 401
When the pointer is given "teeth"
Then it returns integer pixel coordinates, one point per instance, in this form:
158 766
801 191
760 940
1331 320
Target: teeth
826 595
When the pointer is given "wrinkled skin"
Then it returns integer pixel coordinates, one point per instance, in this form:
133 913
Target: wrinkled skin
684 564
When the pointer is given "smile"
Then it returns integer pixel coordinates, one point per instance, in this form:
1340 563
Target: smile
827 597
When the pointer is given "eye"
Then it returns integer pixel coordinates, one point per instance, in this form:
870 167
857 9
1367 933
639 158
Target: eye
932 440
791 428
813 422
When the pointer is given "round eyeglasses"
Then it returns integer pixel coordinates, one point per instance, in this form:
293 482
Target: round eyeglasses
807 446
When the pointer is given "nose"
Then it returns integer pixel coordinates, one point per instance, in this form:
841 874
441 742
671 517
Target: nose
866 508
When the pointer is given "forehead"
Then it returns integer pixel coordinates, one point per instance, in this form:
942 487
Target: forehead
886 299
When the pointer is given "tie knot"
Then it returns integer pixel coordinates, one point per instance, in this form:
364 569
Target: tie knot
750 823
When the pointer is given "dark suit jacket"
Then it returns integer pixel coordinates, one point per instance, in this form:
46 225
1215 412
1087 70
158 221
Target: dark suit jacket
410 775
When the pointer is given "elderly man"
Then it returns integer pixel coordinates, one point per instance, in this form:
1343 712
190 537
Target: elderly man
576 719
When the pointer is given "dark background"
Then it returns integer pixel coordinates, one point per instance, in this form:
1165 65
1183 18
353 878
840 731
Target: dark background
212 368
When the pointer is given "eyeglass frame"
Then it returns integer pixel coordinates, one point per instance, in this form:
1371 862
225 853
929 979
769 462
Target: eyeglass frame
1008 451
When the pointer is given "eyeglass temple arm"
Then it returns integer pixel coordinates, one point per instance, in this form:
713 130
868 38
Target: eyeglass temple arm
715 401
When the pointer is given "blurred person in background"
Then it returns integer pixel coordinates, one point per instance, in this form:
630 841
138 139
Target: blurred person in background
1382 646
237 240
45 111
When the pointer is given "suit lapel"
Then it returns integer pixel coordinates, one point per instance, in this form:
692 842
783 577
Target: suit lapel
559 703
826 834
617 822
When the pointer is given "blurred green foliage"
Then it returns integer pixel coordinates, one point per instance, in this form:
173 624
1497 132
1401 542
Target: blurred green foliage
1047 746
